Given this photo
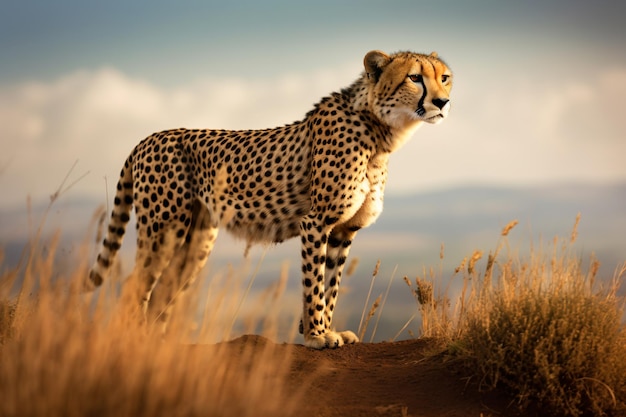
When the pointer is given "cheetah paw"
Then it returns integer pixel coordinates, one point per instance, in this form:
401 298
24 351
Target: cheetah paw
330 340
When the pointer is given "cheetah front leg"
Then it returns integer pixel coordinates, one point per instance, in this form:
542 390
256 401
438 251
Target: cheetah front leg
315 325
339 244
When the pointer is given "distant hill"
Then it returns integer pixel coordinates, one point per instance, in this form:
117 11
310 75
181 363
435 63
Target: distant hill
411 228
470 217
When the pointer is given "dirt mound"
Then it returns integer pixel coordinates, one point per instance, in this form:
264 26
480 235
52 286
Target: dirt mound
401 378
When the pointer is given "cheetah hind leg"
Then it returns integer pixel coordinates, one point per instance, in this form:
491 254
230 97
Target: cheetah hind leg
184 268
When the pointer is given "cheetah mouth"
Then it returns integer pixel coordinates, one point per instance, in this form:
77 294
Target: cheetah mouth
422 115
435 119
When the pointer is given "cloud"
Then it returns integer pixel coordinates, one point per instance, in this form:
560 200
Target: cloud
511 130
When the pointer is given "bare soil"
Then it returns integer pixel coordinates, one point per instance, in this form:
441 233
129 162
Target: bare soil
406 378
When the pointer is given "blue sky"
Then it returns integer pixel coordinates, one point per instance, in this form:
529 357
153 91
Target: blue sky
538 96
44 39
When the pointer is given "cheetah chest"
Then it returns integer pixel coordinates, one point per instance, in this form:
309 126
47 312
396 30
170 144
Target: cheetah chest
367 202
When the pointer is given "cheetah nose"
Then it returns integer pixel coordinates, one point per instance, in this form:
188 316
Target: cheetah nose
440 102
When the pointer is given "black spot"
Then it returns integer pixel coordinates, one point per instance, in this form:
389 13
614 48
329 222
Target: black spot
95 278
103 261
333 242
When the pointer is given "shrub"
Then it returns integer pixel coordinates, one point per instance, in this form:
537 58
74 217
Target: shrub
544 331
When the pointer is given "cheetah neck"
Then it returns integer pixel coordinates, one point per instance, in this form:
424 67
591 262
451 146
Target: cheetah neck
392 137
397 138
357 94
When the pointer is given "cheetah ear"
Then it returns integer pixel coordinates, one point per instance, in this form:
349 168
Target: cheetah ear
434 54
374 62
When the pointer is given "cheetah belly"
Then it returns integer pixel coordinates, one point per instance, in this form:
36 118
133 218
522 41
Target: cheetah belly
260 221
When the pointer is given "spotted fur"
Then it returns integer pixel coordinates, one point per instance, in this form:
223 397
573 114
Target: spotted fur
321 178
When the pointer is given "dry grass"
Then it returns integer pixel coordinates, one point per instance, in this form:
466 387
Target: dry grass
66 353
542 328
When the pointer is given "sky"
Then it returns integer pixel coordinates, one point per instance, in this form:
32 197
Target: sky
538 94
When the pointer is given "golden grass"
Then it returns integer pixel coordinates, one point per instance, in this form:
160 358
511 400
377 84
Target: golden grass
543 328
66 353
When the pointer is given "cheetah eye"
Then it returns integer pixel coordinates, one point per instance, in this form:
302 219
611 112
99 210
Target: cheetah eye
445 78
416 78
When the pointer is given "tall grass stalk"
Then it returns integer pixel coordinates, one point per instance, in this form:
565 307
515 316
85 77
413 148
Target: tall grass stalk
382 306
364 320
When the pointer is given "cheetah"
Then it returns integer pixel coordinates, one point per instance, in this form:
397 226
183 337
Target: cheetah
321 178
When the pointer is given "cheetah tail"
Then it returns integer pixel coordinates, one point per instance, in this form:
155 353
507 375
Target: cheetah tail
120 216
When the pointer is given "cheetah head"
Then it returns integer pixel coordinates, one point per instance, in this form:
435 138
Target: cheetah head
405 88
